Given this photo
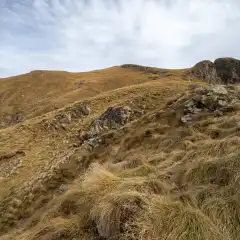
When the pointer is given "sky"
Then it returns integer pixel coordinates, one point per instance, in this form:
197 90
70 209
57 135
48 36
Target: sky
83 35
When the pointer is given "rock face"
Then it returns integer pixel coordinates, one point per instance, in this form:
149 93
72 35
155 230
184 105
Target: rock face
206 70
228 70
222 71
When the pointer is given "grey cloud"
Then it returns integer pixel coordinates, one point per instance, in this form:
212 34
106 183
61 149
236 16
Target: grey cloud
82 35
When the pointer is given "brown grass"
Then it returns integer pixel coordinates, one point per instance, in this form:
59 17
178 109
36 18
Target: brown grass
169 220
154 179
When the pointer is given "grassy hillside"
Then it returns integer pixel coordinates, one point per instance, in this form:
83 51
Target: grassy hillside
38 92
128 152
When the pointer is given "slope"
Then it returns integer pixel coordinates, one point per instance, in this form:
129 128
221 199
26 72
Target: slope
153 160
38 92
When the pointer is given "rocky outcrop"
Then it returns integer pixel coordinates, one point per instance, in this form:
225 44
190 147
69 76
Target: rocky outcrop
228 70
206 71
114 117
222 71
200 101
65 117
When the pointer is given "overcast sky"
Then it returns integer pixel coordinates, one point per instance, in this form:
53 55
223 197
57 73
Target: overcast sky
81 35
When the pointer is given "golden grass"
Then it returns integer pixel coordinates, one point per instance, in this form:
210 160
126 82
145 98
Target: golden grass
225 213
39 92
169 220
154 179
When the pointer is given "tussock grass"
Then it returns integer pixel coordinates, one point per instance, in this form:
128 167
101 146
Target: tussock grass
57 228
167 220
181 192
222 146
113 202
220 171
114 214
225 213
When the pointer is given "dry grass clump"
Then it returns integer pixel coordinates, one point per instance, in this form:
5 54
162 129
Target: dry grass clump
225 213
141 202
167 220
181 193
219 171
99 181
114 214
221 146
128 208
113 201
56 228
104 203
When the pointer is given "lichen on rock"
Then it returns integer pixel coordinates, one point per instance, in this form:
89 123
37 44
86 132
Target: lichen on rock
199 101
114 118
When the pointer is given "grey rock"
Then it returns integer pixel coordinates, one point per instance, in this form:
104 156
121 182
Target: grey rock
222 103
63 188
186 118
219 89
114 117
67 118
228 70
222 71
217 100
3 124
206 71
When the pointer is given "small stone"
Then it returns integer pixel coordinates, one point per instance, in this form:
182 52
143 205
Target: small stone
67 118
197 98
196 110
63 188
189 103
200 90
3 124
186 118
86 110
219 89
218 113
222 103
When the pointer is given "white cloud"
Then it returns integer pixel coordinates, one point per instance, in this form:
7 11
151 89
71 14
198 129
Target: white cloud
80 35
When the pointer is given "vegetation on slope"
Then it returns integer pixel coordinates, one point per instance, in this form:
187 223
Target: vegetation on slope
153 176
